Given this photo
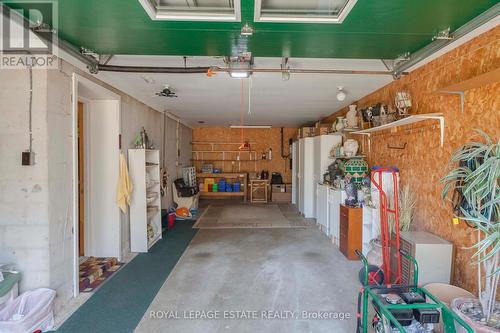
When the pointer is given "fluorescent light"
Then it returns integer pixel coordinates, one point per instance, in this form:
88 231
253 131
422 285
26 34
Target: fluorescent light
239 75
250 126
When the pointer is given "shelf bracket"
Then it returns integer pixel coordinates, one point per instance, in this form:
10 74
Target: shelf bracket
441 127
456 92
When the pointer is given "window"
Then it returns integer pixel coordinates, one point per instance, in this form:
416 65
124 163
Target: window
303 11
193 10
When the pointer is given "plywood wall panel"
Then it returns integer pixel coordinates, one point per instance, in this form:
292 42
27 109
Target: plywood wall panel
261 140
423 163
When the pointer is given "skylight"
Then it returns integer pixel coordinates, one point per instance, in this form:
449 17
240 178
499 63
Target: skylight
303 11
193 10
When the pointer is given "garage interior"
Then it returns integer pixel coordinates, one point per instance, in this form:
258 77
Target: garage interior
250 166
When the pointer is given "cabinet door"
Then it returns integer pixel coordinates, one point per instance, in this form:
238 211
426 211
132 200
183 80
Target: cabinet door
343 237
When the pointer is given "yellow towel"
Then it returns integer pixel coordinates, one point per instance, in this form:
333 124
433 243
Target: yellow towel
124 187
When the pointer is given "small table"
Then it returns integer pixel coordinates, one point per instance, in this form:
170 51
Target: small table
256 186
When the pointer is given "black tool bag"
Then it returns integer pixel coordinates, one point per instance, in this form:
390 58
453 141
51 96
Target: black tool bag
276 178
184 190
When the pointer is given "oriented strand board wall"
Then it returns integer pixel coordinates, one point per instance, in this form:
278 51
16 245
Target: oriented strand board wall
423 162
260 140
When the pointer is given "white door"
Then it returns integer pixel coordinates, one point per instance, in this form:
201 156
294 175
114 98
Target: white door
102 227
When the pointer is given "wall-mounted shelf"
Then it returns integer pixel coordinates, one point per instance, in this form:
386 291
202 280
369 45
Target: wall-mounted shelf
406 121
208 160
472 83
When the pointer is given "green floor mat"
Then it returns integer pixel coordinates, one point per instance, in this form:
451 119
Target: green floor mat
119 304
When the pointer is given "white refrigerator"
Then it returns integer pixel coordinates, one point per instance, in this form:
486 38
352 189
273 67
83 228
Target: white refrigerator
295 173
306 177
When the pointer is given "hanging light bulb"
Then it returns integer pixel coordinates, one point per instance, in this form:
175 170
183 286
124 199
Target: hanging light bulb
341 95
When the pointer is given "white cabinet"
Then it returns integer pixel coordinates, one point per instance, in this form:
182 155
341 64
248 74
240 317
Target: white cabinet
145 205
295 172
307 193
300 168
322 209
323 144
335 198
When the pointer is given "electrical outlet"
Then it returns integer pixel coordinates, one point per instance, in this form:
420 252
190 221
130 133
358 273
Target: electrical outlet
28 158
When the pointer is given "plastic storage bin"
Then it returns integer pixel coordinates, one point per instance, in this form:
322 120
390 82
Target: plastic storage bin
236 187
31 311
222 185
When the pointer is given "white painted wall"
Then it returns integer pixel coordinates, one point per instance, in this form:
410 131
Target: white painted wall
35 202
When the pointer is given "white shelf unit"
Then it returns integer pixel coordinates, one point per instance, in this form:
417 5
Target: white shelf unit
145 205
406 121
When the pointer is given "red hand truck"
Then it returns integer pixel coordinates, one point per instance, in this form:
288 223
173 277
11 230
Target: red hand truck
389 238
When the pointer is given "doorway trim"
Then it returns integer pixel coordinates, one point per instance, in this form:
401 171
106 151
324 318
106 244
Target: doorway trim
75 98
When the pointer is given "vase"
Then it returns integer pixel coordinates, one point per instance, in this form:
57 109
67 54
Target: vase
352 117
340 124
351 147
357 169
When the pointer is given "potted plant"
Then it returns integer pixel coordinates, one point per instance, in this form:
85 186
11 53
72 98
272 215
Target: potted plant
474 178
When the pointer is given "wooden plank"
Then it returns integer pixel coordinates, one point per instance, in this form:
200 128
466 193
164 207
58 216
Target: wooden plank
222 194
476 81
221 175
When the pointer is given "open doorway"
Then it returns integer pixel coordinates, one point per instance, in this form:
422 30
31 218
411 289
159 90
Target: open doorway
96 217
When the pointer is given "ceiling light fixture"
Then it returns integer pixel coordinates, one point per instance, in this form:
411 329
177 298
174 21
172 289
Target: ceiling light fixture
239 74
249 126
341 95
240 67
247 30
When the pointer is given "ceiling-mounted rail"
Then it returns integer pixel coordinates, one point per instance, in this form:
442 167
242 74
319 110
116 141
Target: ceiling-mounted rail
439 44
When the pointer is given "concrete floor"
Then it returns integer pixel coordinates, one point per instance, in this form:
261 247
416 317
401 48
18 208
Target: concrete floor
256 272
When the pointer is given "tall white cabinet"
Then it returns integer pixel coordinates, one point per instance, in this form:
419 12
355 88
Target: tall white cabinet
307 195
295 172
145 205
323 144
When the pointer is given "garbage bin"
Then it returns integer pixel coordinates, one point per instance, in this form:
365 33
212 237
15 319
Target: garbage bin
29 312
9 287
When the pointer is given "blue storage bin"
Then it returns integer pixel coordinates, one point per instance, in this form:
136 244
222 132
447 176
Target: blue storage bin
236 187
222 185
229 187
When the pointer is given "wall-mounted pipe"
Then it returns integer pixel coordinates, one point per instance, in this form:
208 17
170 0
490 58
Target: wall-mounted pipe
164 70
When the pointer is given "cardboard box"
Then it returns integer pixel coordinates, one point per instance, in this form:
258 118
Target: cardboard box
288 188
278 188
305 132
282 197
322 130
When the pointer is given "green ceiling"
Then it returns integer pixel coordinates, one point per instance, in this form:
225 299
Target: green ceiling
373 29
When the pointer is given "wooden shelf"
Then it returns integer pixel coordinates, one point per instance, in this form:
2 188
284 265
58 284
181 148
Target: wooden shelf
207 160
221 175
224 151
472 83
222 194
406 121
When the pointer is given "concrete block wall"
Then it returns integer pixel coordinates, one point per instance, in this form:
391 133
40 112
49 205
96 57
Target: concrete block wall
24 190
35 202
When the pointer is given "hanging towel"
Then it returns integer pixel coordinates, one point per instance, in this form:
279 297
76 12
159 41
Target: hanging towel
124 187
